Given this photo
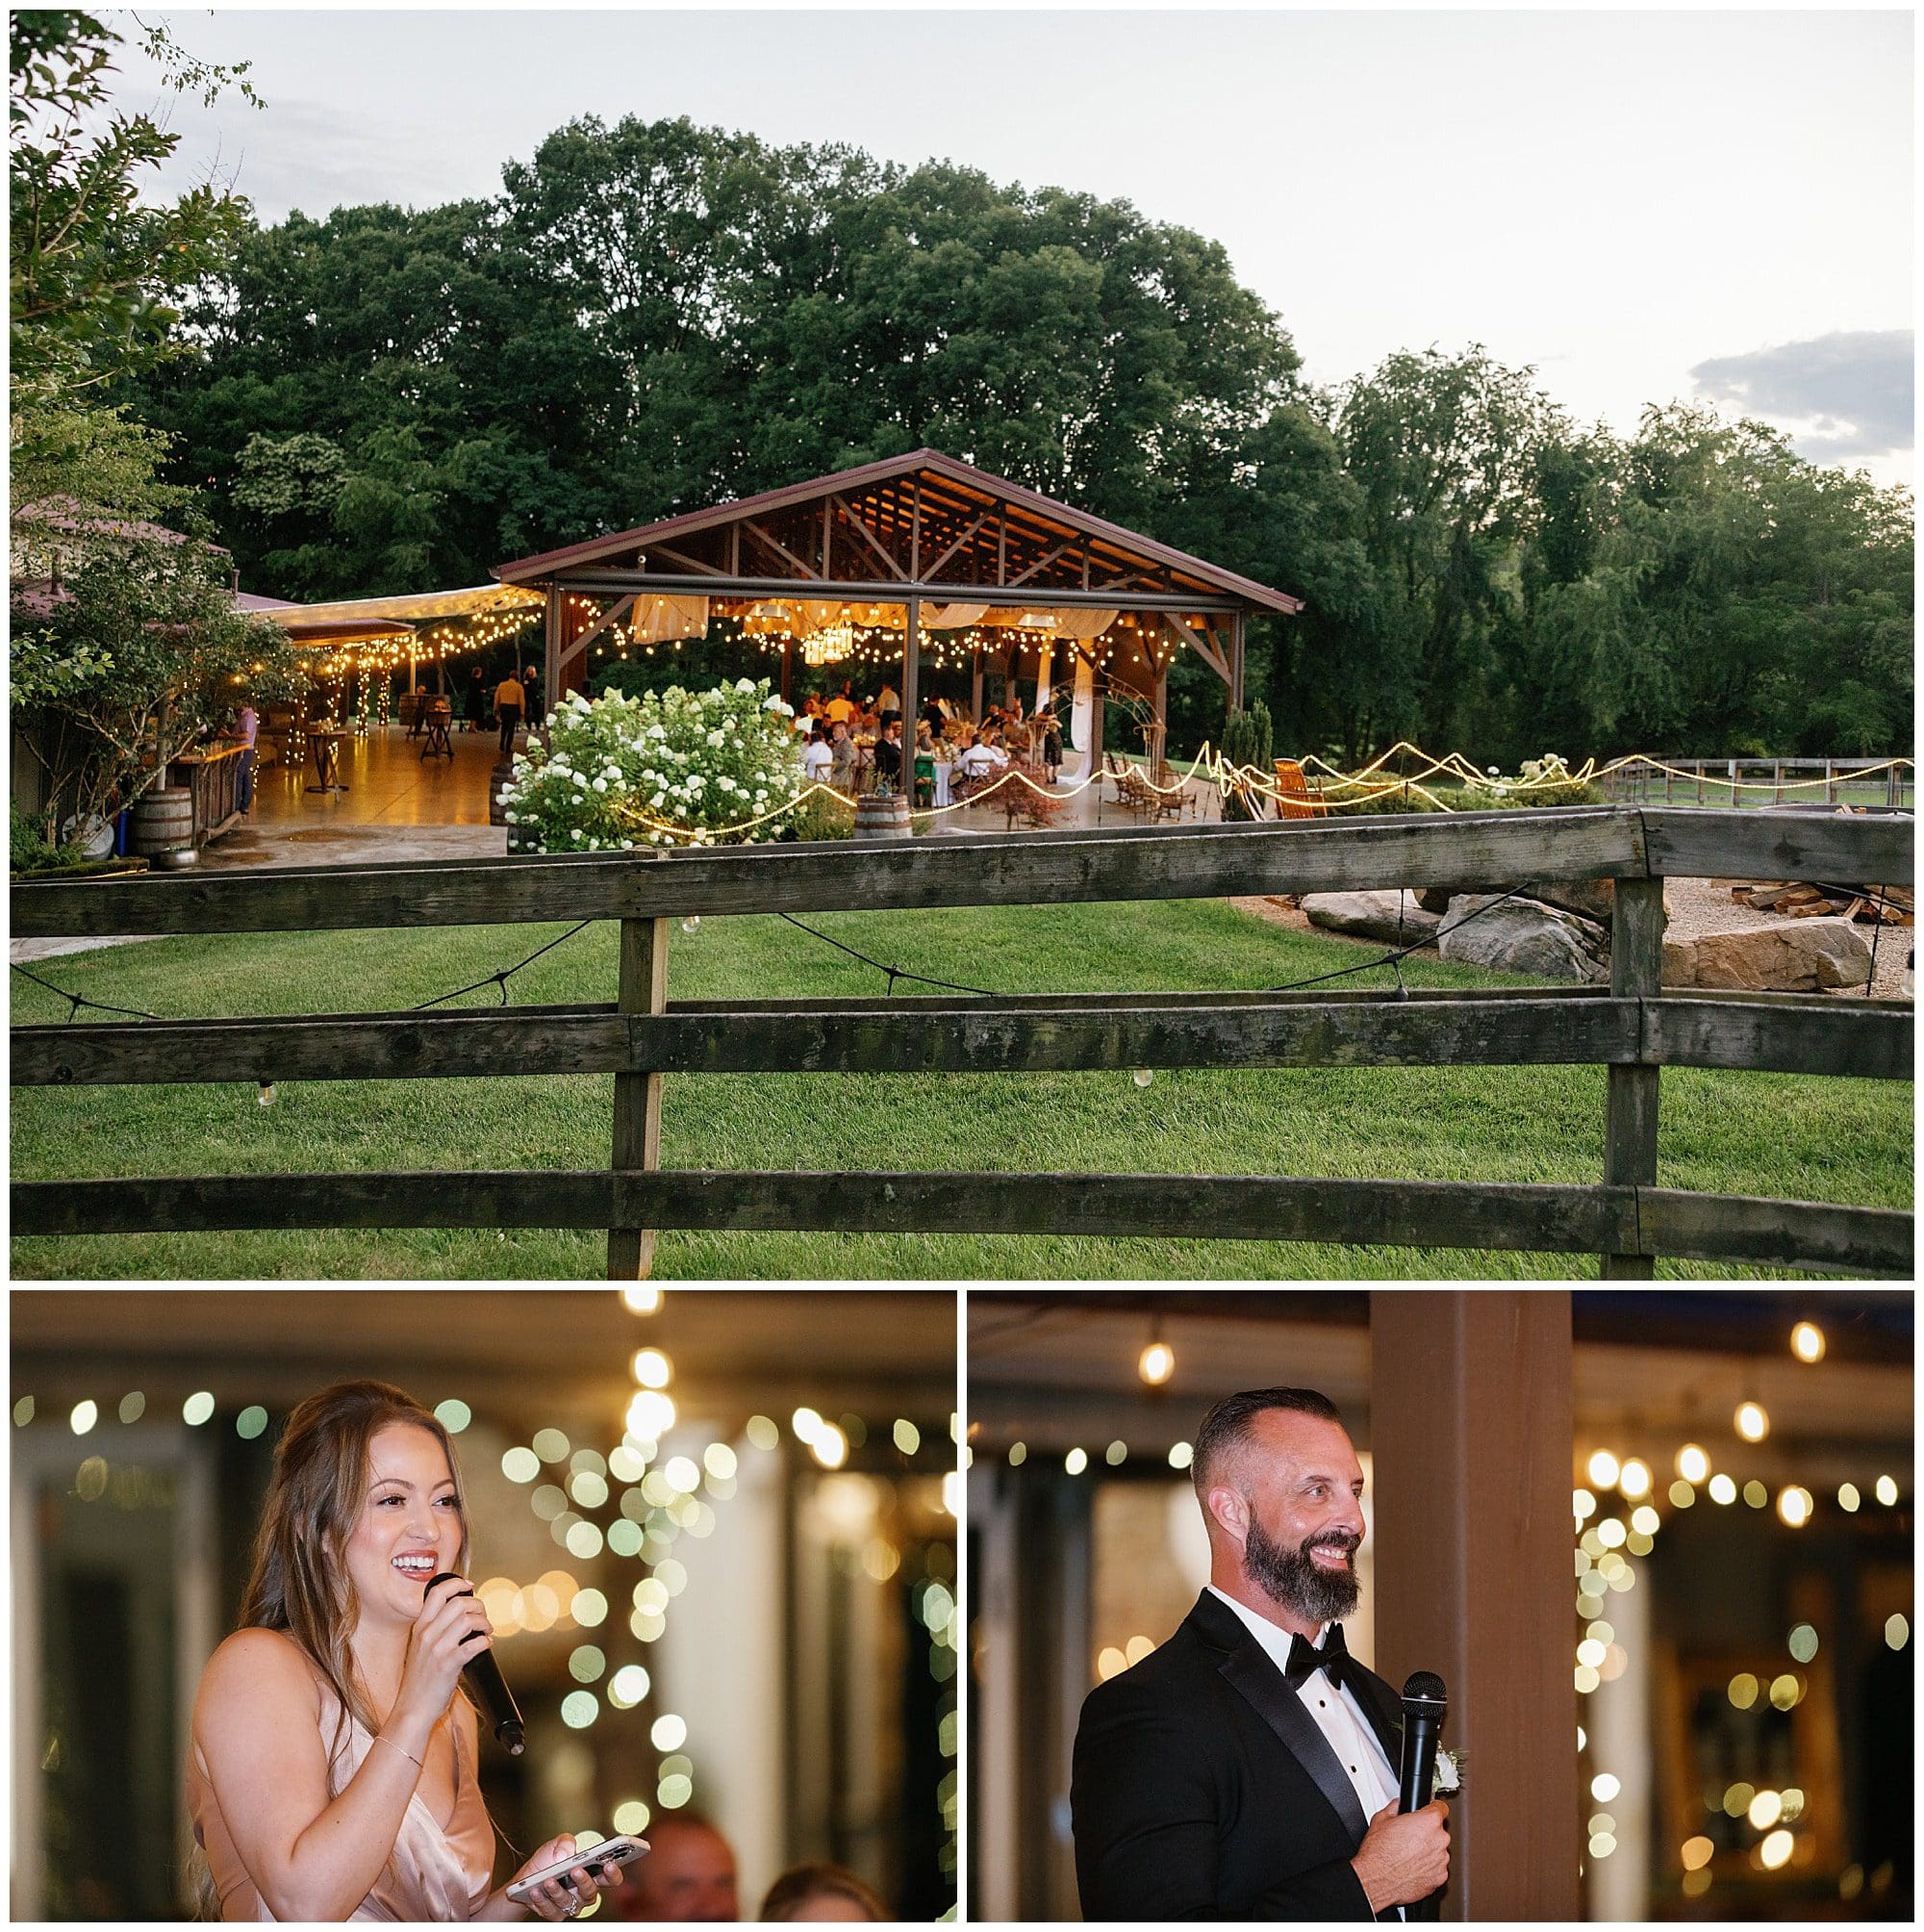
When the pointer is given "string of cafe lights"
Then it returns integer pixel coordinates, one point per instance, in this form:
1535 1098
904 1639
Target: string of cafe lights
1609 1543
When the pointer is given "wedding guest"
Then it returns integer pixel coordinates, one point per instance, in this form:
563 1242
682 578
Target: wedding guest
511 699
247 727
817 760
841 707
688 1875
330 1737
888 754
823 1892
1247 1768
841 757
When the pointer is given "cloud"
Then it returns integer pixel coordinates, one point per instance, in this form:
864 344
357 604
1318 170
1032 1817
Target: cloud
1847 393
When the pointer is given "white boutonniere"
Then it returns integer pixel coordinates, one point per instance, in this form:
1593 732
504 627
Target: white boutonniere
1449 1771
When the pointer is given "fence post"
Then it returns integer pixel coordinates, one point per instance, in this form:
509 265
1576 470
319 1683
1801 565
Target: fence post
1629 1123
1830 782
641 988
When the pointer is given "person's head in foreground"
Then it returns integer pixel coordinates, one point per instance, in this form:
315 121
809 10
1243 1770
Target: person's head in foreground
822 1893
1281 1493
338 1702
688 1874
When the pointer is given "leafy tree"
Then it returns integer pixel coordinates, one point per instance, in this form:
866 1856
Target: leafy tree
142 652
94 270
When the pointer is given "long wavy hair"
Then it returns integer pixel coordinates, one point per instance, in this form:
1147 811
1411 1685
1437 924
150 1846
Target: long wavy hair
301 1583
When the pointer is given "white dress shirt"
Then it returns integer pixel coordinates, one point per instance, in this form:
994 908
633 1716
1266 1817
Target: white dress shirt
1336 1713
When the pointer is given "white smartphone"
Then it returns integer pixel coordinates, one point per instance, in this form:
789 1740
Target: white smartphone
594 1859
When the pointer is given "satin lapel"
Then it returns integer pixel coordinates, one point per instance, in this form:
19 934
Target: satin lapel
1261 1683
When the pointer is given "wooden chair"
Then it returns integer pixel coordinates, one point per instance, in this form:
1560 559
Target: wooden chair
1296 800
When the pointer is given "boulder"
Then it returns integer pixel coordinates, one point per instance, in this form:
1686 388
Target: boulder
1590 898
1523 935
1593 899
1372 915
1784 955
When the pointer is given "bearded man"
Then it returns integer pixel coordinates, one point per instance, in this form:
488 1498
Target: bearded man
1246 1769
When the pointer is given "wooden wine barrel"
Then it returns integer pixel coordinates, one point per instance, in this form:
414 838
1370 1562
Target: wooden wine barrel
881 815
162 825
497 781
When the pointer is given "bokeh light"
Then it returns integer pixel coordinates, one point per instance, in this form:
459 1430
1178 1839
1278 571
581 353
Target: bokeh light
454 1416
198 1407
1692 1464
85 1415
1751 1421
1806 1342
1722 1489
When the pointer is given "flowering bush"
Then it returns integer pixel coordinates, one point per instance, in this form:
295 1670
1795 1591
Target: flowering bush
1540 782
619 771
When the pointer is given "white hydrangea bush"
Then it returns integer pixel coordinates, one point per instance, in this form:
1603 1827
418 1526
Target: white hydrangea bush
672 768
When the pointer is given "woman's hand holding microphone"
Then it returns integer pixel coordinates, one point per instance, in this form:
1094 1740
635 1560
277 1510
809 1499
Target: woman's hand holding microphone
451 1629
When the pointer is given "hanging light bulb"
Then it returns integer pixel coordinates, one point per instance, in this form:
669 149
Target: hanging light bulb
1157 1361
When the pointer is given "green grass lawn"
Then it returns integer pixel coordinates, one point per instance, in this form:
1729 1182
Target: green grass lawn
1847 1141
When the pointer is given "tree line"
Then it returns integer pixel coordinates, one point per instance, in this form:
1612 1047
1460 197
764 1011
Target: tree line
651 318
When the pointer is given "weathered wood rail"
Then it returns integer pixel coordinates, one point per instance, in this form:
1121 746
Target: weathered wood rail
1632 1028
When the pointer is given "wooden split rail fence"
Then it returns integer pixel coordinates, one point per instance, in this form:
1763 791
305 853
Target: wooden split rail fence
1632 1027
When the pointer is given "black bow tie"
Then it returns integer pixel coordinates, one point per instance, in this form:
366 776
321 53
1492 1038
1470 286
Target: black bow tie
1305 1658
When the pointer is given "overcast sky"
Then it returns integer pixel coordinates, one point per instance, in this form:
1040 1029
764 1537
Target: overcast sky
1645 205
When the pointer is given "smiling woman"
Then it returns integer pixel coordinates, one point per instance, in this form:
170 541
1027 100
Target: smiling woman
351 1637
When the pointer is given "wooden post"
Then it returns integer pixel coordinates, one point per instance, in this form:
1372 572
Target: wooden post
787 651
1776 782
1629 1127
1699 781
641 988
1830 782
1236 662
1162 760
551 647
975 690
1469 1400
911 667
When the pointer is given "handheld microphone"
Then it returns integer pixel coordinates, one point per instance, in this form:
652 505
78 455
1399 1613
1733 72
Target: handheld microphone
1424 1704
490 1688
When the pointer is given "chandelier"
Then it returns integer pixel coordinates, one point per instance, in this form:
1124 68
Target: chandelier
829 645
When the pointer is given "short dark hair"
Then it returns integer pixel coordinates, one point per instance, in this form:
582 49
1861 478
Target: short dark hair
1228 1423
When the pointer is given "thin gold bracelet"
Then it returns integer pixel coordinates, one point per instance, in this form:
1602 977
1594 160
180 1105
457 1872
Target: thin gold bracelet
406 1754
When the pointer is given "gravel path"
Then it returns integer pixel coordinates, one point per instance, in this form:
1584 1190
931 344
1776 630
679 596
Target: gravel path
1694 905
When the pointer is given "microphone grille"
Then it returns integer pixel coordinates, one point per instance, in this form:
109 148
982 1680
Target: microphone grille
1427 1686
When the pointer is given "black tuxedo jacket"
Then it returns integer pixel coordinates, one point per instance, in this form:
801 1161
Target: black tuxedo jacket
1204 1789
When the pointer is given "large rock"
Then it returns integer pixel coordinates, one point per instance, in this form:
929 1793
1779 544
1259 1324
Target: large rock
1589 898
1372 915
1783 956
1523 935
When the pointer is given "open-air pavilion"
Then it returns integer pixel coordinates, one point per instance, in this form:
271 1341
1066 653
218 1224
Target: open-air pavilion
912 562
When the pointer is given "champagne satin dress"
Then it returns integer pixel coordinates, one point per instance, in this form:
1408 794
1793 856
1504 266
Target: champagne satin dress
433 1875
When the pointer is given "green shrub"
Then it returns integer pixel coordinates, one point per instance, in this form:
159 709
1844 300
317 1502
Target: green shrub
1249 741
819 817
